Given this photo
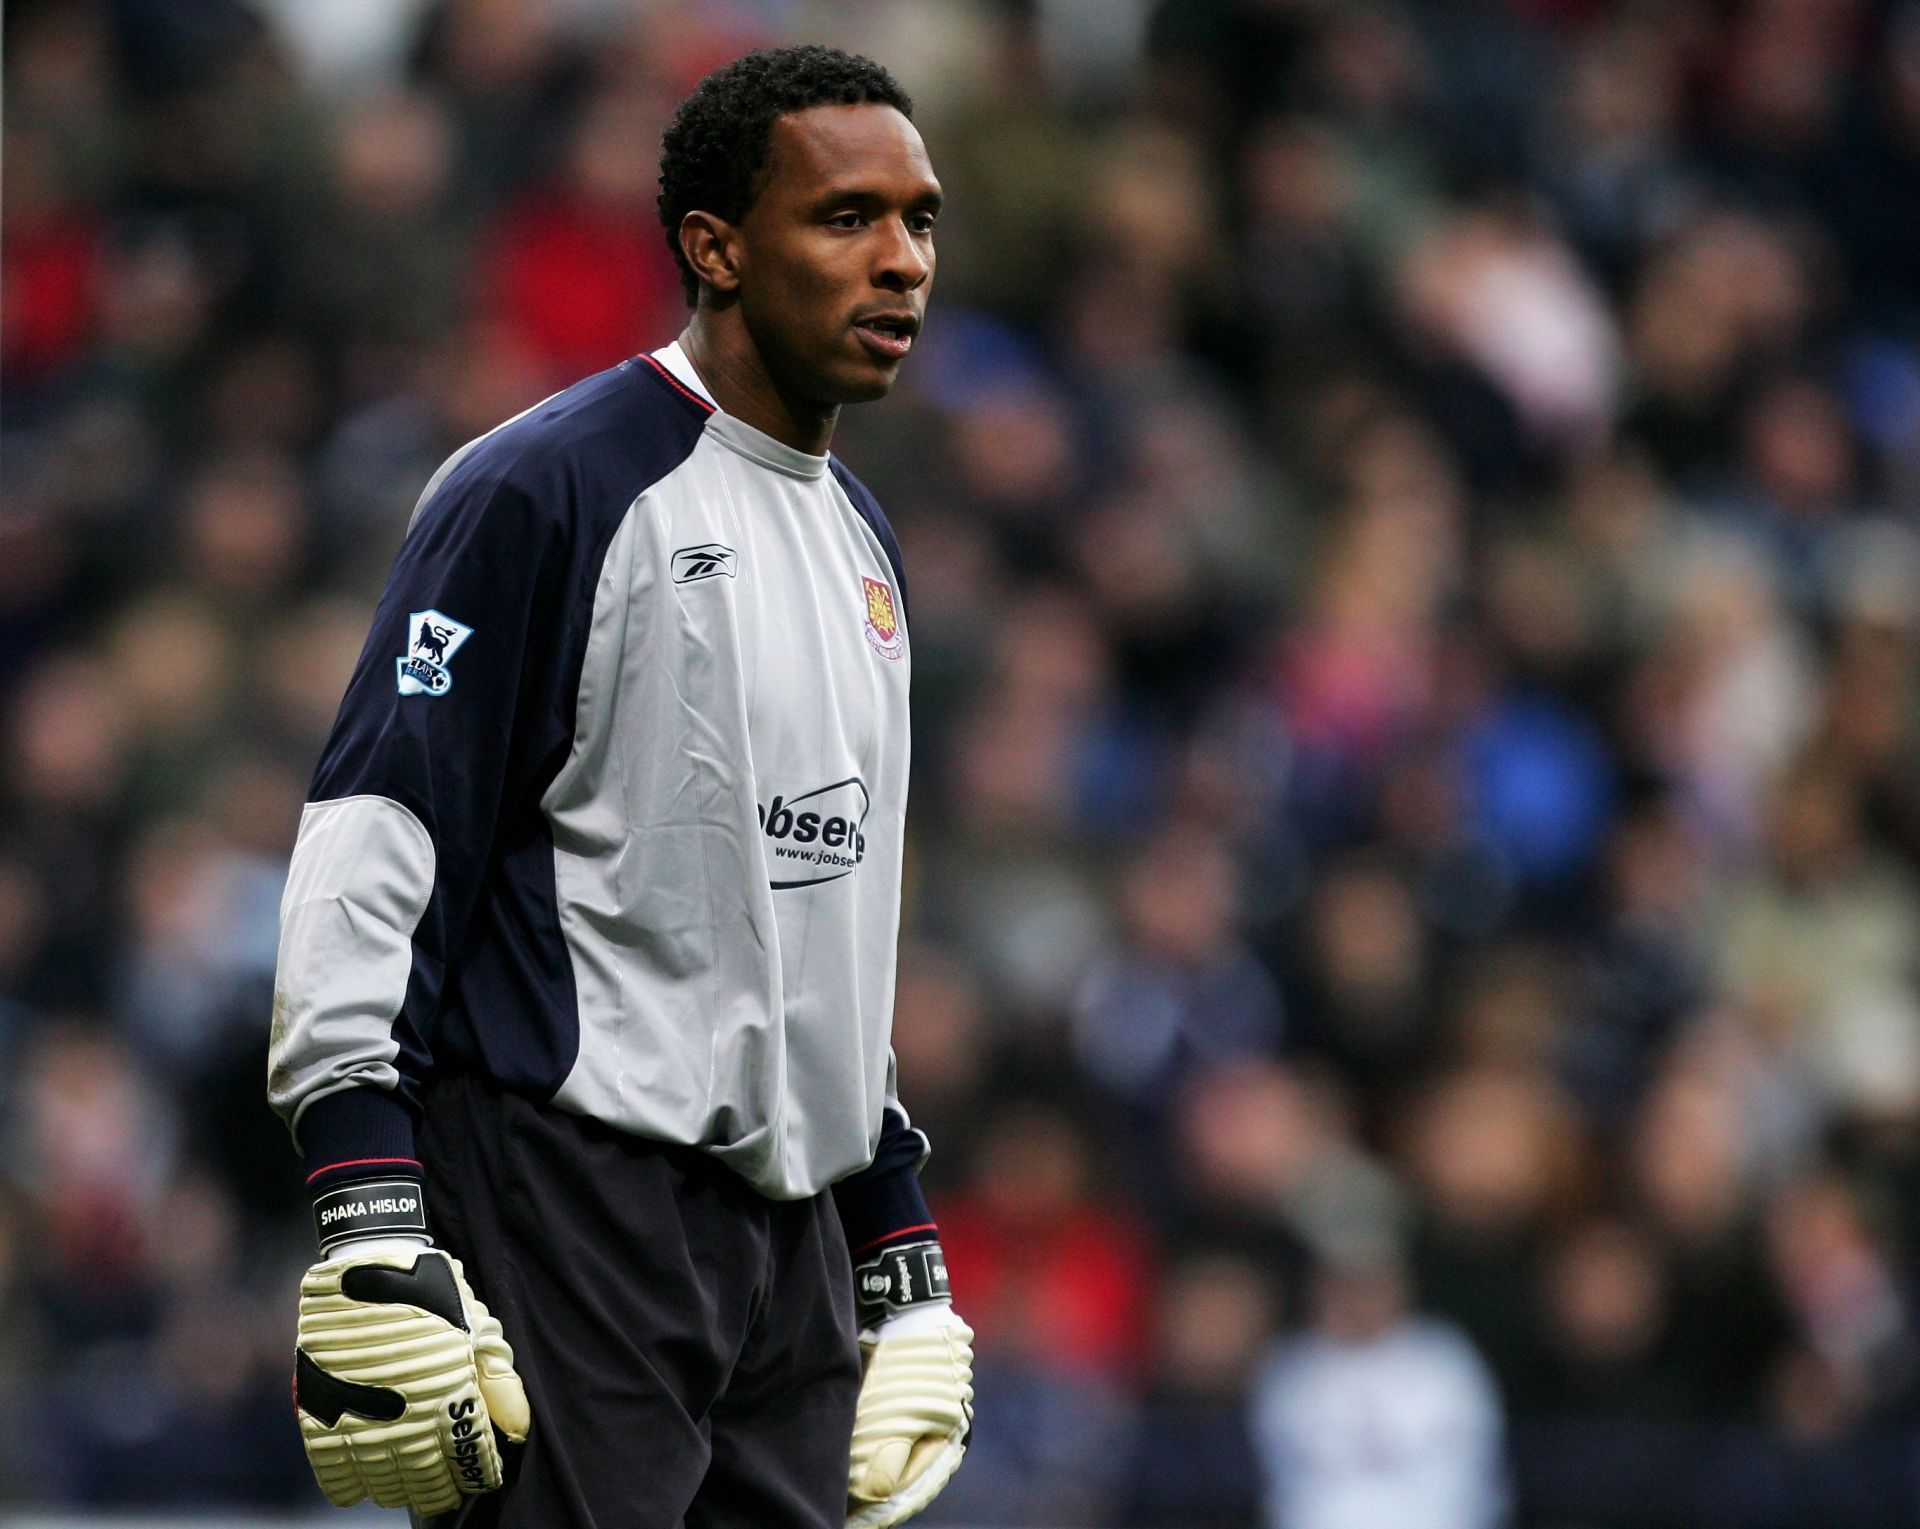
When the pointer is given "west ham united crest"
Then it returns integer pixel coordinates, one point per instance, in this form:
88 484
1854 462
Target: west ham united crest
883 626
432 640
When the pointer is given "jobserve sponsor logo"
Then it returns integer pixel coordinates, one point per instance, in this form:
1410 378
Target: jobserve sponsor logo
816 836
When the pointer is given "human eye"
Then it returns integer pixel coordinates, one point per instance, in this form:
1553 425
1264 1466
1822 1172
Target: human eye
921 222
846 218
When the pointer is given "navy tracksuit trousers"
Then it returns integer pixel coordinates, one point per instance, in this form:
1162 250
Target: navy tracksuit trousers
687 1344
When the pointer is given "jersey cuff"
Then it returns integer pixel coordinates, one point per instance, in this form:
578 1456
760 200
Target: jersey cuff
878 1208
356 1133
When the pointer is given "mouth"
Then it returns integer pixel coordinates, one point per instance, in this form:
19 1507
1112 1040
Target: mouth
888 335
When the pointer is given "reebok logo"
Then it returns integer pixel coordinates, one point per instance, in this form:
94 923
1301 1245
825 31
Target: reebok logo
706 561
816 836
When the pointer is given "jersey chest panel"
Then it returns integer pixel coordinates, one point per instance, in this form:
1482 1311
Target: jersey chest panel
729 832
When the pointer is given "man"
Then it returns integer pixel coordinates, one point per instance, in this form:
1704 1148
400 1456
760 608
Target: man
1377 1416
587 951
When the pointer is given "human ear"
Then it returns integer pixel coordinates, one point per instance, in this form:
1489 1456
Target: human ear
712 248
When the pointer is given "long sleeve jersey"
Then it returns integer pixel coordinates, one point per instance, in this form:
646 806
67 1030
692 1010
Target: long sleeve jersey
612 813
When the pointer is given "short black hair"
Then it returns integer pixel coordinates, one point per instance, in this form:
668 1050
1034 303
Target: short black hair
717 141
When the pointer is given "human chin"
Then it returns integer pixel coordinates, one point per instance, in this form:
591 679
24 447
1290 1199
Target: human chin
857 377
867 383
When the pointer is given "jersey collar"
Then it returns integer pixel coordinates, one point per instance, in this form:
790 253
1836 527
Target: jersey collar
737 433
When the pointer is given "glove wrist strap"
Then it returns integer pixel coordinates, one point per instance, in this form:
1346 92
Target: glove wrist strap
391 1205
897 1279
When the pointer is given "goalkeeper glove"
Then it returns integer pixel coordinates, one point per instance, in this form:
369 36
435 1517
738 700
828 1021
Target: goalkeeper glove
915 1411
401 1375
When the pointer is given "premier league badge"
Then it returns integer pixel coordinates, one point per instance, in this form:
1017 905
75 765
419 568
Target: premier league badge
433 639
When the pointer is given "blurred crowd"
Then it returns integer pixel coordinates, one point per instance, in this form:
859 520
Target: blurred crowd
1412 510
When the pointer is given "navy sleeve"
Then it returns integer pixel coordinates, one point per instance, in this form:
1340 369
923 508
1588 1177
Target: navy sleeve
874 516
884 1202
443 718
459 714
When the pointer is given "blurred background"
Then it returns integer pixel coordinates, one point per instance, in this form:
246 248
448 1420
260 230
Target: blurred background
1413 513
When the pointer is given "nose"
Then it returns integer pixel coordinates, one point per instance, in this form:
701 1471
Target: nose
903 262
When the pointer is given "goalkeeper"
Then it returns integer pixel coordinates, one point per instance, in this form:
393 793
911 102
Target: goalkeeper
586 969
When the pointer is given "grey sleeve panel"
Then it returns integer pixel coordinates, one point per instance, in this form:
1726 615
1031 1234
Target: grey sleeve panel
361 876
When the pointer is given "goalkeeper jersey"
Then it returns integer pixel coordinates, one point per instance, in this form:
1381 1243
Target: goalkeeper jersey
612 812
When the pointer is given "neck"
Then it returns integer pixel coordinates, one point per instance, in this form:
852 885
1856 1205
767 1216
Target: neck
730 364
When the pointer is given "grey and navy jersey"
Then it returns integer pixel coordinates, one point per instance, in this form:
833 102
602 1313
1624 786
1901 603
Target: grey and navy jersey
612 814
